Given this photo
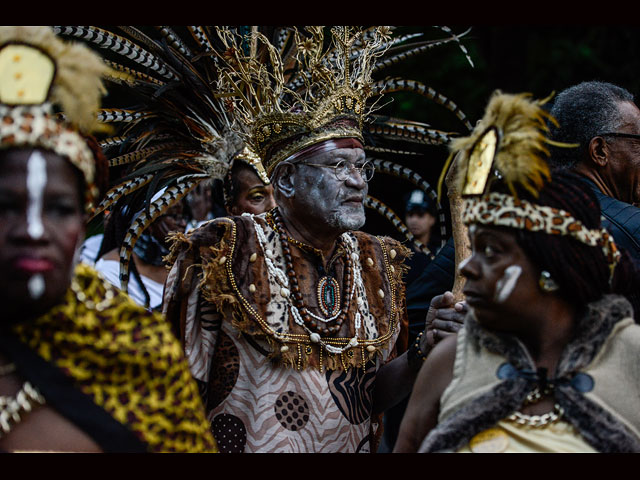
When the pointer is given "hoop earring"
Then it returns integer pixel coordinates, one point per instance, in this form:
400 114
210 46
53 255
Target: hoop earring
547 284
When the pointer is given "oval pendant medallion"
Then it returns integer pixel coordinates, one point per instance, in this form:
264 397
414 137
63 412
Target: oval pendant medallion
329 296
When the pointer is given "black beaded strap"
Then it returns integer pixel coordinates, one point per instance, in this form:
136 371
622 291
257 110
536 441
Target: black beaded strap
414 354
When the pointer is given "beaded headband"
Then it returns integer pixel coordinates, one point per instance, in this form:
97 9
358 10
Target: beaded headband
38 72
33 126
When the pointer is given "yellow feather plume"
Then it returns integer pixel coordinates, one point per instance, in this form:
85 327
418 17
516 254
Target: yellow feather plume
521 151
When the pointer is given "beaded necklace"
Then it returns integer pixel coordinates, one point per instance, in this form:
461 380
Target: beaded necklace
315 325
328 289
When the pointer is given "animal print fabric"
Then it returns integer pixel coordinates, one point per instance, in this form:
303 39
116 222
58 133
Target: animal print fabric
127 360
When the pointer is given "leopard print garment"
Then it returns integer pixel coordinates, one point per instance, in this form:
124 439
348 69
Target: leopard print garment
127 360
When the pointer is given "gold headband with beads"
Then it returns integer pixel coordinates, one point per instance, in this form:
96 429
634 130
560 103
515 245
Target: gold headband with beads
38 72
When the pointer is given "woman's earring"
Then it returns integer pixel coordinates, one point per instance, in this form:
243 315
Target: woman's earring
547 284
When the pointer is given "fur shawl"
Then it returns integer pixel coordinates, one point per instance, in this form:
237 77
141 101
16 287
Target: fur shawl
597 426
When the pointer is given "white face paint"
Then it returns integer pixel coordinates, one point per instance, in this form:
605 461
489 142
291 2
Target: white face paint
463 263
36 181
36 286
507 283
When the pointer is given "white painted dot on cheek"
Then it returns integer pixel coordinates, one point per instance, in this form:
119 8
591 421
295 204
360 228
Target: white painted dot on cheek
505 286
36 181
36 286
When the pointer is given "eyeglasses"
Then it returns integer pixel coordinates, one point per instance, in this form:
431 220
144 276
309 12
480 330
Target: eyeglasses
620 135
343 169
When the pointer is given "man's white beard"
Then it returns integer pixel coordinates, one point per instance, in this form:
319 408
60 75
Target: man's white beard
344 221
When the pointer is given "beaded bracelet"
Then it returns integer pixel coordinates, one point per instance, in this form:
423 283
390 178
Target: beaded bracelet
414 352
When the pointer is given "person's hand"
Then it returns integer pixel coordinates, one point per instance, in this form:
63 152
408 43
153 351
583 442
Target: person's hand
444 318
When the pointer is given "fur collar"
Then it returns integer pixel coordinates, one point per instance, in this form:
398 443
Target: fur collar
597 426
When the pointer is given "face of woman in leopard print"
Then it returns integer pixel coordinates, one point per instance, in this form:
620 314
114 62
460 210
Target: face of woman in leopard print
500 278
42 225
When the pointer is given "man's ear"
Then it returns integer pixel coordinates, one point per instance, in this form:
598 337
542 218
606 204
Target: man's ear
599 151
284 180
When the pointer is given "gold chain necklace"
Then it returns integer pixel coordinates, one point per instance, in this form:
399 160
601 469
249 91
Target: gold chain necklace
13 408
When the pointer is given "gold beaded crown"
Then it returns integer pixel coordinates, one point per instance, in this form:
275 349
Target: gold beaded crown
316 93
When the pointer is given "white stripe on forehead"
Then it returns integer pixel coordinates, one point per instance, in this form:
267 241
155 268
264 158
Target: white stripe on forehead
36 181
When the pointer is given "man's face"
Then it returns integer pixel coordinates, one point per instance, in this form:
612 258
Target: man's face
41 227
624 156
323 199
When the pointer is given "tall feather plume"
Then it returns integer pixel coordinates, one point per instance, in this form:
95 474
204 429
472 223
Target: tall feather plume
521 155
174 132
303 69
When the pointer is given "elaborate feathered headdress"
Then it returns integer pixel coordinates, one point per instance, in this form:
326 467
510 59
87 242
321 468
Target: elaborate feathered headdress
307 85
50 91
199 87
179 133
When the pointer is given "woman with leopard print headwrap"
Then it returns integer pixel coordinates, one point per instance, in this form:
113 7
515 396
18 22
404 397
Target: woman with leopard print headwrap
547 360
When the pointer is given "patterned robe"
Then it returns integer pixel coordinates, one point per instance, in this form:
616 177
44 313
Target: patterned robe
267 387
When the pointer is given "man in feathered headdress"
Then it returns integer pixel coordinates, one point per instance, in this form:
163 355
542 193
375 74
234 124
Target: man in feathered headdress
290 319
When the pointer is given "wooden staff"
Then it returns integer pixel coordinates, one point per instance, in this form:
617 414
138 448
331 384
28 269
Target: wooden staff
460 236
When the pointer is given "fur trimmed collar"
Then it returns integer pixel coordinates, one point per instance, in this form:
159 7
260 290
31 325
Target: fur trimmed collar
597 426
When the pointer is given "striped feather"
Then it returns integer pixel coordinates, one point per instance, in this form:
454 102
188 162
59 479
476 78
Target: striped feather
174 41
117 44
396 170
397 84
369 148
117 192
409 132
201 37
111 142
138 155
109 115
456 38
170 197
375 204
133 73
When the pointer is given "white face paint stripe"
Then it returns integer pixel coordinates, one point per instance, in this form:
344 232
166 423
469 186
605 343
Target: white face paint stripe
505 286
463 263
36 181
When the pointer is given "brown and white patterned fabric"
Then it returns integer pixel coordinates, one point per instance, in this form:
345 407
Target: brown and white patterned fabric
266 386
